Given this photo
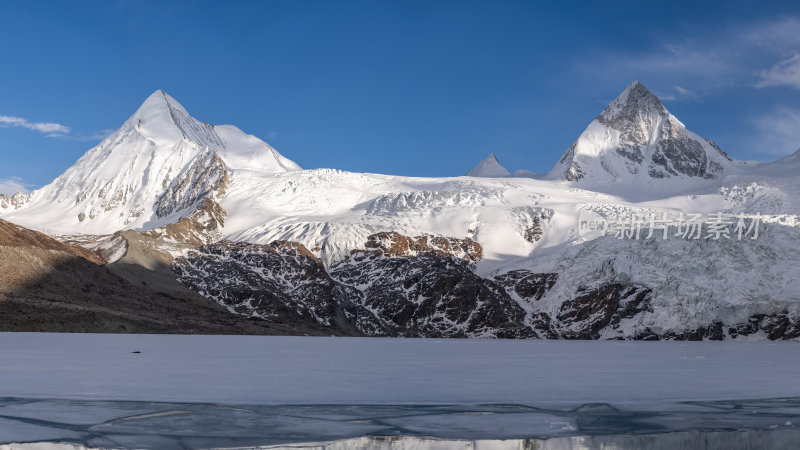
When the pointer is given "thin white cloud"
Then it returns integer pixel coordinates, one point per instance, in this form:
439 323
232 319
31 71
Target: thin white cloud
48 128
10 186
680 94
781 34
686 61
784 73
753 54
778 132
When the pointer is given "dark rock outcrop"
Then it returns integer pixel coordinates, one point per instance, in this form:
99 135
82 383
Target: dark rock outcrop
527 285
776 326
432 295
605 306
395 286
395 244
281 282
713 332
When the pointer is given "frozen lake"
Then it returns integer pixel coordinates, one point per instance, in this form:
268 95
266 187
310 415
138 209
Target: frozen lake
201 391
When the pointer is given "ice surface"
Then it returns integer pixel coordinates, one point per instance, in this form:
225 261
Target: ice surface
16 431
305 370
342 393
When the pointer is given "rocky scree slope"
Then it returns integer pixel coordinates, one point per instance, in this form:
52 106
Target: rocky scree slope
46 285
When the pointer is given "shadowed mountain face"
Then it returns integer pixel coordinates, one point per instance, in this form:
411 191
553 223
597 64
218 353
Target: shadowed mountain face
46 285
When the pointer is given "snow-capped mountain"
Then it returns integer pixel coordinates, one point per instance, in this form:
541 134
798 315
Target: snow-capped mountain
385 255
636 141
150 172
489 167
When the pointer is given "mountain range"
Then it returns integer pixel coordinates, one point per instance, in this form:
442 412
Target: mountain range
175 225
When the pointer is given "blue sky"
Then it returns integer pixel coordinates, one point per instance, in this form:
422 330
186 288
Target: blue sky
414 88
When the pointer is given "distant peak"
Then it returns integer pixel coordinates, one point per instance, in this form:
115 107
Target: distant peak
489 167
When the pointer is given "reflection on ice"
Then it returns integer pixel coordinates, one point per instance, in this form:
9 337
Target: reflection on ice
102 424
709 440
724 440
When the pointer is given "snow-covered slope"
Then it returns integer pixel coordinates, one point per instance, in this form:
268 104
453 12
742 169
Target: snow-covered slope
150 172
489 167
635 141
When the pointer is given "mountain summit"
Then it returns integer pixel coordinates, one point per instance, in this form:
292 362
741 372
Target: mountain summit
153 170
161 117
489 167
636 140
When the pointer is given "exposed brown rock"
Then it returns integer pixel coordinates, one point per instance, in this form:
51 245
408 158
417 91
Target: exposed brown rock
206 178
396 244
201 227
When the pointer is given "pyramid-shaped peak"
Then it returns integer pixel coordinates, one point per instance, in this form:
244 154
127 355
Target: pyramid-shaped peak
161 117
634 103
489 167
635 140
